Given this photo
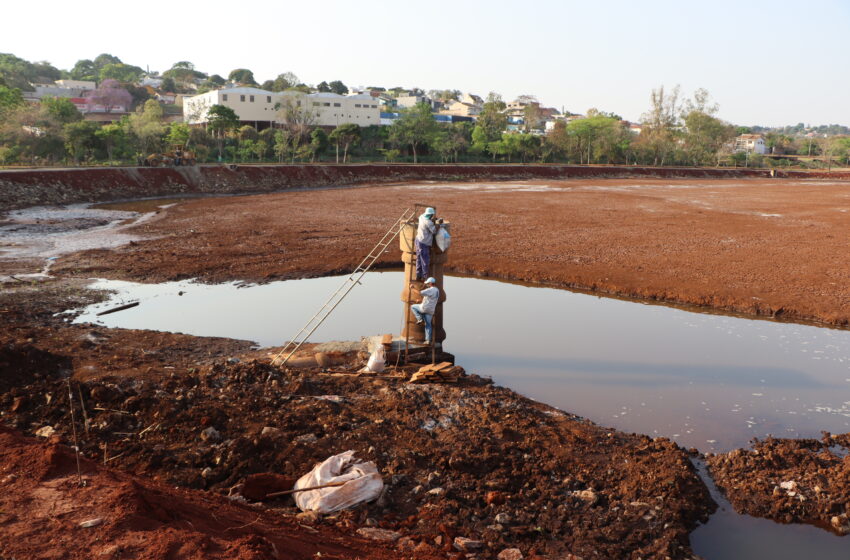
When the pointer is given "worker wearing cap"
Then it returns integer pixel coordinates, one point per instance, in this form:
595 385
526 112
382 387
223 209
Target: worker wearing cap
424 311
424 239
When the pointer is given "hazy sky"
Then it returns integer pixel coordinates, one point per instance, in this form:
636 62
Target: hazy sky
770 63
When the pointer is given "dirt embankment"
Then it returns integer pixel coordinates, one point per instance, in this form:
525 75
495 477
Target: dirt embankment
471 461
790 480
22 188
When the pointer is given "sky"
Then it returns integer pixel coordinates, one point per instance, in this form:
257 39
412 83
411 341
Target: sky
768 63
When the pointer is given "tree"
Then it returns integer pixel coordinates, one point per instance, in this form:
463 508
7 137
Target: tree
123 73
491 123
242 76
282 82
318 143
415 128
113 137
146 125
660 125
61 109
220 120
10 99
183 73
80 138
348 135
705 137
178 134
109 95
338 87
84 70
323 87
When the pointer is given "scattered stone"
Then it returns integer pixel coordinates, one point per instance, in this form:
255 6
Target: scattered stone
91 522
210 434
207 472
309 517
435 491
307 438
406 544
494 497
510 554
788 485
375 534
840 523
464 544
45 432
270 431
588 496
503 518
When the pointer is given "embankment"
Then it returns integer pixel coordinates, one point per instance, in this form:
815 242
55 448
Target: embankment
33 187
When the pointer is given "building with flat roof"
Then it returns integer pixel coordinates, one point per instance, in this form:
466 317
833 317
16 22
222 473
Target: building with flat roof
265 109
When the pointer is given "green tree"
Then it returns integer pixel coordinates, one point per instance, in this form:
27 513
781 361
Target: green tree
147 127
323 87
318 143
84 70
178 134
220 120
10 99
338 87
242 76
61 109
123 73
491 123
414 128
660 132
705 137
80 138
347 135
113 137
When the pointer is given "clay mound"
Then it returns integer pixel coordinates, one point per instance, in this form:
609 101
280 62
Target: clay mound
21 362
42 507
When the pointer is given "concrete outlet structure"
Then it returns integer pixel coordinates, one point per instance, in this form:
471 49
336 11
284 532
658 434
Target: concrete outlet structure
416 333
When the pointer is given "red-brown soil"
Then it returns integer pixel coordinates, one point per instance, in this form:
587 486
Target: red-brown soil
562 484
762 247
816 477
42 505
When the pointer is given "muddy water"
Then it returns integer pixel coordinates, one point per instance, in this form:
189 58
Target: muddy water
708 381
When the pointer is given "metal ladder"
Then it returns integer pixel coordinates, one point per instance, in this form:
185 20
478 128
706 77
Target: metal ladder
336 298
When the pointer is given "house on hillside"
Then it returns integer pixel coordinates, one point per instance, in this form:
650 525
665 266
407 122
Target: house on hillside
750 143
461 109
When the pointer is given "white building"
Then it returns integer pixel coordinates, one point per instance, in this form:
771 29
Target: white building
751 143
257 106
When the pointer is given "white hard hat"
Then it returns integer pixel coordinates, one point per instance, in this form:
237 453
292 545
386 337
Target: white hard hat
430 280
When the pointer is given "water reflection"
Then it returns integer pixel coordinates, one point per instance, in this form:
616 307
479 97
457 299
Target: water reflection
707 381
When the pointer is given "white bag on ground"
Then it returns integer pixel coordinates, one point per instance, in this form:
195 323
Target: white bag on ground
377 361
362 481
444 239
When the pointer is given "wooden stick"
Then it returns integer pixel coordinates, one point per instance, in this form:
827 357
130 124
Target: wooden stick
286 492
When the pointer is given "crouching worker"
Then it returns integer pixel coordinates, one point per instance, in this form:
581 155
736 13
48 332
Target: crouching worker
424 311
424 239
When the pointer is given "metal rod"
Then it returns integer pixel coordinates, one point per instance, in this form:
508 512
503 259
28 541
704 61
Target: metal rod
74 431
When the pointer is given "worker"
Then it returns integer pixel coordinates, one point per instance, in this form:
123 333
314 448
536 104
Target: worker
424 311
424 239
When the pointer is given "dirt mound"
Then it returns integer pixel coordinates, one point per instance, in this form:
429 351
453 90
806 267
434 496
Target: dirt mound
22 362
471 461
46 513
790 480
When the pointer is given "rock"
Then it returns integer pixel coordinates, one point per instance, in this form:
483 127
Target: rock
323 360
435 491
494 497
309 517
464 544
588 496
375 534
510 554
91 522
45 432
307 438
788 485
840 523
270 431
210 434
406 544
424 549
503 518
207 472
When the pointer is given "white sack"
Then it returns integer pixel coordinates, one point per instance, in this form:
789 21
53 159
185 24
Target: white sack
377 361
444 239
363 483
